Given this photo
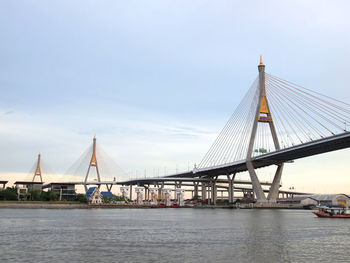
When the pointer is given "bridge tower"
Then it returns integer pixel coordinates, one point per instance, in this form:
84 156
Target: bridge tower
37 172
263 115
93 163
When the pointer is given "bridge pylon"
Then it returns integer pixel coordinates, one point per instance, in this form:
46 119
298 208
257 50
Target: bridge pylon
37 172
93 163
263 116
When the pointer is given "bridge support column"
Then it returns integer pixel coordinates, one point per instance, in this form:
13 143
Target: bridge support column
195 189
212 193
213 189
231 188
146 193
257 189
160 193
215 193
209 193
109 188
177 185
131 192
274 189
204 191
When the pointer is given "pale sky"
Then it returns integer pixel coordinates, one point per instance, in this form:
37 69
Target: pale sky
156 81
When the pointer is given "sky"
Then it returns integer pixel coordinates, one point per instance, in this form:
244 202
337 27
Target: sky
156 81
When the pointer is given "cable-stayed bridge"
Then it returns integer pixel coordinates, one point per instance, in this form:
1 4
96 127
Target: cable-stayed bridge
276 122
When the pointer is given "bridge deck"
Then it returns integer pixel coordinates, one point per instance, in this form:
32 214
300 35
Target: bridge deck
336 142
154 180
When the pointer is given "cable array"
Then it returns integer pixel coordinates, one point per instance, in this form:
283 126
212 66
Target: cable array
108 169
232 142
46 171
303 115
299 116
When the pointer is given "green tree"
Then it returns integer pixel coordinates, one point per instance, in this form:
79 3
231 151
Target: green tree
121 198
81 198
114 199
45 196
10 193
53 196
35 195
48 196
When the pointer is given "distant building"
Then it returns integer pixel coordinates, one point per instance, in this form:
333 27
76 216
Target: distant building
95 196
65 191
107 194
3 183
318 199
25 188
327 199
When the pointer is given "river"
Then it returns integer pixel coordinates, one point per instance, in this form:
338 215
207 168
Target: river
171 235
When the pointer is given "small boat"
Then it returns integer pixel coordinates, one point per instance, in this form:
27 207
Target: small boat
162 205
175 205
332 212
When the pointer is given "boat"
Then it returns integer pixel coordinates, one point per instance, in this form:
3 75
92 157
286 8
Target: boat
332 212
175 205
161 205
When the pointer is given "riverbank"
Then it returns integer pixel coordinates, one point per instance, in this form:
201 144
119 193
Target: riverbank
65 205
43 205
77 205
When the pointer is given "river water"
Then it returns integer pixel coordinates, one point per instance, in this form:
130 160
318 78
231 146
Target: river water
171 235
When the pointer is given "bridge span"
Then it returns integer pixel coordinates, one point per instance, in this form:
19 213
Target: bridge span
293 121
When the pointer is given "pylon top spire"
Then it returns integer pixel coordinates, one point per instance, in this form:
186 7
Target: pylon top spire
95 136
261 61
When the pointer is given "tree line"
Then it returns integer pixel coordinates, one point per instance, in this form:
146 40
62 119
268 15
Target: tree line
10 194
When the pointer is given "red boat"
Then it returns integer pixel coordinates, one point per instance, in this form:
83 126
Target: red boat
332 212
161 205
175 206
